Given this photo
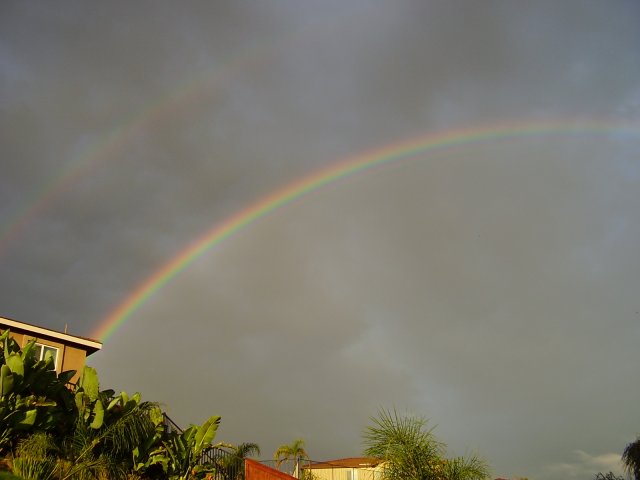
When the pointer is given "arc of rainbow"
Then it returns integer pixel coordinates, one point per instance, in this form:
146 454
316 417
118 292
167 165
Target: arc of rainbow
342 169
91 157
207 82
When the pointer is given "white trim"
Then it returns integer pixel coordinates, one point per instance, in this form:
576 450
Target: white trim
42 354
51 333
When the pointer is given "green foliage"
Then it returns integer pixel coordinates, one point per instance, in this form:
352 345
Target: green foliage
9 476
52 430
461 468
294 452
607 476
631 459
96 437
183 450
32 396
89 400
35 457
231 466
149 456
411 452
108 428
204 434
307 474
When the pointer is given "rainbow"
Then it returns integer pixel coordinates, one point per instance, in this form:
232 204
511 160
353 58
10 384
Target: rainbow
192 91
345 168
165 106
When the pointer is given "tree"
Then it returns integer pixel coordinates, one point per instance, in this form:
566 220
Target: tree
106 429
465 468
231 466
33 397
411 452
184 450
295 452
607 476
631 458
50 430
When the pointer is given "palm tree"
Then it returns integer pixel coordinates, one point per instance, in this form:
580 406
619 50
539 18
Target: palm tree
106 452
85 452
465 468
411 452
231 466
607 476
631 458
35 457
295 451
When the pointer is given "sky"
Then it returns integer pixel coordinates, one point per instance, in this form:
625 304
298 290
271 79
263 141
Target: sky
489 285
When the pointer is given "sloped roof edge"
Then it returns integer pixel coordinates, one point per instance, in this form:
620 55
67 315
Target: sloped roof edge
92 345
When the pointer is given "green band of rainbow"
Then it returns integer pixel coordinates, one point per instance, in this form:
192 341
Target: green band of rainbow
350 166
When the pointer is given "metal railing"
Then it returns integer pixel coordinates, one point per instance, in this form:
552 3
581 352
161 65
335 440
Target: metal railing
170 424
227 465
217 456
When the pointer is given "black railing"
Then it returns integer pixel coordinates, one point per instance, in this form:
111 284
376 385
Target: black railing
170 424
227 465
217 456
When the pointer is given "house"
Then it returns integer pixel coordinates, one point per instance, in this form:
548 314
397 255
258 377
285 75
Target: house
352 468
68 351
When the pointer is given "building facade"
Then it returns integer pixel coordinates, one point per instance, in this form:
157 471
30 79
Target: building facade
69 352
352 468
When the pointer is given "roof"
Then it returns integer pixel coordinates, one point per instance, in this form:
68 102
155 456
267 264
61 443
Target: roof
90 345
350 462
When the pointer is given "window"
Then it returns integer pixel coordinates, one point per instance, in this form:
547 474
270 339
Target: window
42 351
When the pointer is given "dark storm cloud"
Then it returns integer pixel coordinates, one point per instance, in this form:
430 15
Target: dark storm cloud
490 287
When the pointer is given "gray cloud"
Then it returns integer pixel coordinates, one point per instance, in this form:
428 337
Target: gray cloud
489 286
589 465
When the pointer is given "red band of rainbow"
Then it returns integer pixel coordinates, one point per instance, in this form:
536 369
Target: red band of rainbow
350 166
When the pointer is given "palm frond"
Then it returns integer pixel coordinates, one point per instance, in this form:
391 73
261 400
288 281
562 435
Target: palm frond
294 451
35 457
34 468
631 459
247 449
129 431
392 435
410 451
466 468
39 444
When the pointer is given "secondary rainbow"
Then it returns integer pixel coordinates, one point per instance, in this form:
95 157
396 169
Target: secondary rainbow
193 90
166 106
347 167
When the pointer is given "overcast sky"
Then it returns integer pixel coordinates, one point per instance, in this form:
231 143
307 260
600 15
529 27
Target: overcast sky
491 287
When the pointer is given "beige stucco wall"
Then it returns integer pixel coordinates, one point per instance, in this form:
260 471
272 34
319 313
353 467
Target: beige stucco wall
69 357
73 359
18 337
346 473
61 350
